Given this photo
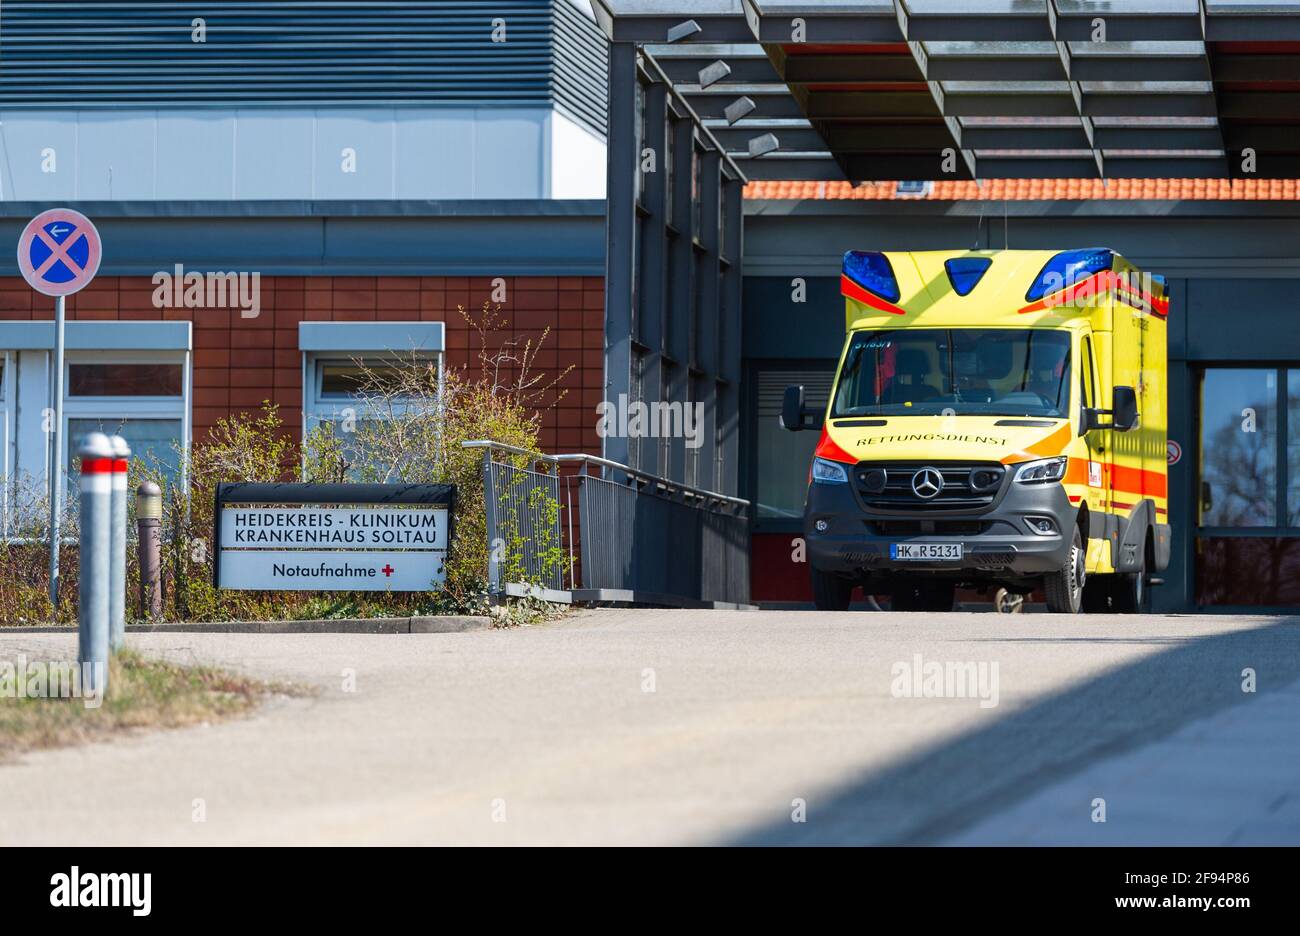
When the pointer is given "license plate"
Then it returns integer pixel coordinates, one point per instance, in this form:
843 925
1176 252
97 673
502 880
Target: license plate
943 552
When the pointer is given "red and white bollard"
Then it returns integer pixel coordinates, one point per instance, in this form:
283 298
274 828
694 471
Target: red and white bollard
96 454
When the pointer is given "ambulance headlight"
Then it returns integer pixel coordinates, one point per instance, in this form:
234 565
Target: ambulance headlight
1041 471
828 472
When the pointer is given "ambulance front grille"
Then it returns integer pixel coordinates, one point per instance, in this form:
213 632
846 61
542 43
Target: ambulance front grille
966 485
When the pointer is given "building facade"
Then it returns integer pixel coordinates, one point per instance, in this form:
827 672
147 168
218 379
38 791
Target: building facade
380 182
163 372
289 191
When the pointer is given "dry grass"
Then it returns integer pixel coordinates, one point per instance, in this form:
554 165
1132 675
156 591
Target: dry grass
144 694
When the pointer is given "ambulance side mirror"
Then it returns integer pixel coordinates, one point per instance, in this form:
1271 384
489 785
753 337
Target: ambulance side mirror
792 409
1124 403
1123 414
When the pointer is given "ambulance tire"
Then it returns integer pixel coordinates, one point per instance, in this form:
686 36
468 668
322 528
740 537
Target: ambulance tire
1064 588
831 592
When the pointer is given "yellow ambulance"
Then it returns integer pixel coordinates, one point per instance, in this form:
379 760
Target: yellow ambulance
997 422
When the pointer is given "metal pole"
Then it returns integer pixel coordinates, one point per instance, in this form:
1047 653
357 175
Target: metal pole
490 518
148 527
56 463
568 493
117 544
96 454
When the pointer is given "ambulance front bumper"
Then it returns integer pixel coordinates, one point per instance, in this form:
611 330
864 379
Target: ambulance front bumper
844 536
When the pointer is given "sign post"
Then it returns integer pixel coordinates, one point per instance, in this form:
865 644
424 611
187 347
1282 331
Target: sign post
56 458
332 537
58 254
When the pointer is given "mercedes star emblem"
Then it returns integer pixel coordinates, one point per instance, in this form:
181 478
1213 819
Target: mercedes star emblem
927 483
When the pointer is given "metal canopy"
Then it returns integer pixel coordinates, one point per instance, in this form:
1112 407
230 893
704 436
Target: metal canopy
983 89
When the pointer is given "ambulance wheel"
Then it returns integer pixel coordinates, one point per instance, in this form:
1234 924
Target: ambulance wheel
1064 588
831 592
931 596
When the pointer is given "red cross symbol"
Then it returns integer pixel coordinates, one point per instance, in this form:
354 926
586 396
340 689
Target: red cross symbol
387 570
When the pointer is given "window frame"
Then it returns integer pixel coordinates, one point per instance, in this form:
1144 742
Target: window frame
1281 526
1064 336
1201 535
120 408
317 408
118 358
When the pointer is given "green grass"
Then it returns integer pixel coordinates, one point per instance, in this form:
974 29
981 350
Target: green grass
144 694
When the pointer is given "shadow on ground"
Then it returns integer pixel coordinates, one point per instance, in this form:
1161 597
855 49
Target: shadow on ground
942 790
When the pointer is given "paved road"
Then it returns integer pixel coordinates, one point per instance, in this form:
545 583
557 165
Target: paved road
549 735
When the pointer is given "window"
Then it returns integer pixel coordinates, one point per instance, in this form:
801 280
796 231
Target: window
355 394
121 378
139 396
153 442
346 381
1086 373
342 389
126 380
1239 447
1248 487
1293 447
345 362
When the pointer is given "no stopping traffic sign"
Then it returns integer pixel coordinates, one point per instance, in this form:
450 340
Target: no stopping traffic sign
59 251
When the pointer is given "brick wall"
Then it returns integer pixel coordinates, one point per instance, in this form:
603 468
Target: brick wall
240 362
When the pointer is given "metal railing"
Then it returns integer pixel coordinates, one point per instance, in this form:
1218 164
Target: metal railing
636 537
521 498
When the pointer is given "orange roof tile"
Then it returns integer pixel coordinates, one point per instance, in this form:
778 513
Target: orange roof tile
1042 190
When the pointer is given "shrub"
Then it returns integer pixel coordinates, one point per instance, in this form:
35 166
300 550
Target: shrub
25 557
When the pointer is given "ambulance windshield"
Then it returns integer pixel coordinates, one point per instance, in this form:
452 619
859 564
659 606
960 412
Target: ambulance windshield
956 371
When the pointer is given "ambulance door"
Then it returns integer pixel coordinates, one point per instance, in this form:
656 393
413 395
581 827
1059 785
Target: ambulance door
1098 442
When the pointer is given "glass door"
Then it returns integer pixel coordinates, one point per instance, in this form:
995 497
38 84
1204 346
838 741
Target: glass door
1248 487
